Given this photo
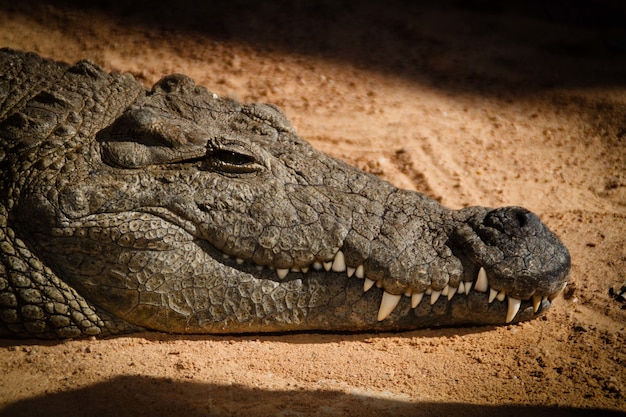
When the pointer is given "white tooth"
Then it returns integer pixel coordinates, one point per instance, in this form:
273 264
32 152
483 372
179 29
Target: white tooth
408 292
416 299
239 261
501 296
451 292
350 271
367 284
282 273
317 266
461 288
481 281
294 269
492 295
428 291
328 265
305 270
360 272
514 305
468 287
536 302
387 305
445 290
339 263
434 296
379 283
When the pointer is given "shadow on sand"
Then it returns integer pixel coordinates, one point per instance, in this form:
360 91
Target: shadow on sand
535 44
146 396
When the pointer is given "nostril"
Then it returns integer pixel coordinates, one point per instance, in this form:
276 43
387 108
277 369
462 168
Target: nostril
509 220
522 218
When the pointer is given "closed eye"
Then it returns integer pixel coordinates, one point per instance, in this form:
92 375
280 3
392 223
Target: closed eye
231 162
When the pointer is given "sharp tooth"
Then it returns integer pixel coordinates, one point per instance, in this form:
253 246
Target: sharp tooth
360 272
408 292
339 263
451 292
481 281
428 291
514 305
461 288
317 266
501 296
445 290
367 284
387 305
305 270
282 273
239 261
416 299
350 271
434 296
328 265
536 302
468 287
492 295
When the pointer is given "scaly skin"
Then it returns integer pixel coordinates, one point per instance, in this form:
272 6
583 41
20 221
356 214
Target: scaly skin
175 210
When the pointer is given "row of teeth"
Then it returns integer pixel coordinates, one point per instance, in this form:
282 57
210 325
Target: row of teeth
390 301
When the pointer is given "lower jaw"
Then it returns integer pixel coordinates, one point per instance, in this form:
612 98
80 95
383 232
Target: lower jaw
351 310
471 309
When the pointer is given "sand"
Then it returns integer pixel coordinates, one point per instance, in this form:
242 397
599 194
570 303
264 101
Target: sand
516 105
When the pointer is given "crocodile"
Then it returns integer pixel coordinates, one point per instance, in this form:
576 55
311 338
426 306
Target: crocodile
126 208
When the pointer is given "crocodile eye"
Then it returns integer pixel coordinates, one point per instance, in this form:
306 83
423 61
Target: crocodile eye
232 161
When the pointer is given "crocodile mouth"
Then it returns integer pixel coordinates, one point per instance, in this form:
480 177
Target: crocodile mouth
389 301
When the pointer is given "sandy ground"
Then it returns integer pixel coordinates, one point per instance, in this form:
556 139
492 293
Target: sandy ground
491 106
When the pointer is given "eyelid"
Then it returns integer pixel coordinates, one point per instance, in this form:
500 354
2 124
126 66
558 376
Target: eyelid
144 136
133 154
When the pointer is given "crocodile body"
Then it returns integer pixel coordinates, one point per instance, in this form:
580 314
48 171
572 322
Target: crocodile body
171 209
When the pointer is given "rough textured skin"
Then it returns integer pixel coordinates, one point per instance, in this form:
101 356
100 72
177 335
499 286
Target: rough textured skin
172 209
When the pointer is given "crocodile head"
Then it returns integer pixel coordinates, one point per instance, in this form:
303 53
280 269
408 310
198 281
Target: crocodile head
185 212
